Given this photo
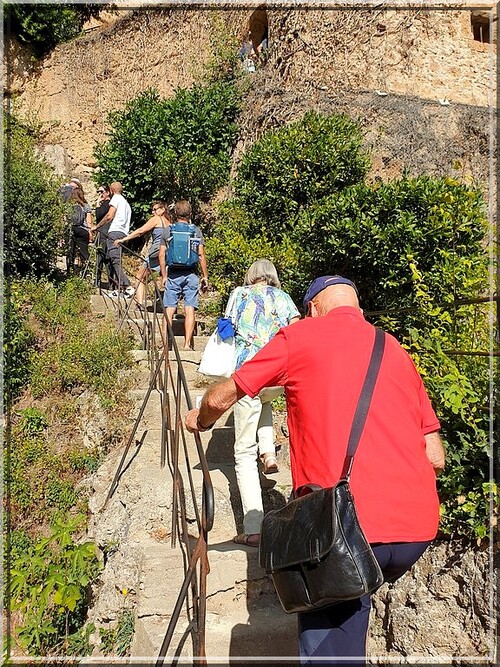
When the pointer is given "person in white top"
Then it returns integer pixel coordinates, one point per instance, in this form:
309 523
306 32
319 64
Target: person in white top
118 216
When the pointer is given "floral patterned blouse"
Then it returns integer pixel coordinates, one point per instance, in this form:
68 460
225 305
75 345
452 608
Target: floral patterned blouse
258 312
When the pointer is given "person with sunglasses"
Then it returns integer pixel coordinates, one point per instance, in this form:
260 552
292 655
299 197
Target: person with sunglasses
101 209
158 225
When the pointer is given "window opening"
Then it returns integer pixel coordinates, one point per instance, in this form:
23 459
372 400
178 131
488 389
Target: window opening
480 24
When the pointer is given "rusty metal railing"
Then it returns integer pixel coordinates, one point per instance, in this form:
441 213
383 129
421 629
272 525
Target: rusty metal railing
159 340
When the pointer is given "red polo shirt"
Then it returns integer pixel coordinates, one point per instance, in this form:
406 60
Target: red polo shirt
322 363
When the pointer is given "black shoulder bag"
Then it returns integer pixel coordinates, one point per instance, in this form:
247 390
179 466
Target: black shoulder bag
314 547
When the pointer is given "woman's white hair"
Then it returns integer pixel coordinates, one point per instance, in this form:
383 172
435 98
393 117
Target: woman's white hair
262 270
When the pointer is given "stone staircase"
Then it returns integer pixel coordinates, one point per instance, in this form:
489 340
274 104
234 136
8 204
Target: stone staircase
142 571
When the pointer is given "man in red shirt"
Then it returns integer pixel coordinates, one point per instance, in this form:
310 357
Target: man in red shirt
322 361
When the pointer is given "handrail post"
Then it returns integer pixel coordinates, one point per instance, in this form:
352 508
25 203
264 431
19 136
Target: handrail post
195 579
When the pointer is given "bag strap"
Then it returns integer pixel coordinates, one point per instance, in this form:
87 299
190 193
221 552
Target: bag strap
364 401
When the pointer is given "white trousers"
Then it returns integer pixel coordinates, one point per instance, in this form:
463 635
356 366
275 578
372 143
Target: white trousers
254 436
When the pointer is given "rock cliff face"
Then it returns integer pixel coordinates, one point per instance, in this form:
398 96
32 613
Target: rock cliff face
329 59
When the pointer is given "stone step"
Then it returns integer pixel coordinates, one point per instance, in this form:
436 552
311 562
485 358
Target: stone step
243 613
235 582
127 309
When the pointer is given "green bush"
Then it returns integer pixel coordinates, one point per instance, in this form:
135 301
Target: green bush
33 209
171 148
297 165
395 240
42 27
49 587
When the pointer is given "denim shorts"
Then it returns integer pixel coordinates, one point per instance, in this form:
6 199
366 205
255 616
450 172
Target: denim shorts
181 285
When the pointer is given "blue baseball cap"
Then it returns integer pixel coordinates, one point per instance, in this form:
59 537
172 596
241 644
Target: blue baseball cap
319 284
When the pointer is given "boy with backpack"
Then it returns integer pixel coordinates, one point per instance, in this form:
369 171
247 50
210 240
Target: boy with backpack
180 254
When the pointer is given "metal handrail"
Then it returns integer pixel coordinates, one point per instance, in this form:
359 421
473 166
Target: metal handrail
198 555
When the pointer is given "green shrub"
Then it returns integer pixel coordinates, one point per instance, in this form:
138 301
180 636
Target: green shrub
33 209
412 237
42 27
171 148
297 165
49 587
232 248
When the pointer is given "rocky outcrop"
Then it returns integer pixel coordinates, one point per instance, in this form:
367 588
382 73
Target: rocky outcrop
326 58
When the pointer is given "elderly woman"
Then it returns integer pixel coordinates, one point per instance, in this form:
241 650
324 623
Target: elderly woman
260 309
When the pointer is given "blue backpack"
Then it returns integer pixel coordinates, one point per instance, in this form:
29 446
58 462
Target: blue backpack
182 249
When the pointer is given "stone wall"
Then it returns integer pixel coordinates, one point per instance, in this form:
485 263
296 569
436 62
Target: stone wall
425 53
314 55
440 609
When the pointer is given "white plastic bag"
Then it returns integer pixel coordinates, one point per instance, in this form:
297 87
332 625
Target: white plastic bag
219 357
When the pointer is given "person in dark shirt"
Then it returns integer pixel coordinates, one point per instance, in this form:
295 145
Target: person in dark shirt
100 242
80 220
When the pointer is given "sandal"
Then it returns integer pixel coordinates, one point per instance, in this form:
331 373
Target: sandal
252 540
270 463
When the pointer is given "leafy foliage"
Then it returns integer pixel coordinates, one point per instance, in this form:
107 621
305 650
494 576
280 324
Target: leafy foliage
45 26
414 246
223 63
298 164
406 238
39 478
33 210
71 353
176 148
49 586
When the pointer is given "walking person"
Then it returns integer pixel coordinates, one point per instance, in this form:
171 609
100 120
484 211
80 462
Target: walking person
321 361
118 217
102 259
182 253
158 225
80 222
260 309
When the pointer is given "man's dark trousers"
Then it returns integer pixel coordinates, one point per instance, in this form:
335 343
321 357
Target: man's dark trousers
115 258
339 631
